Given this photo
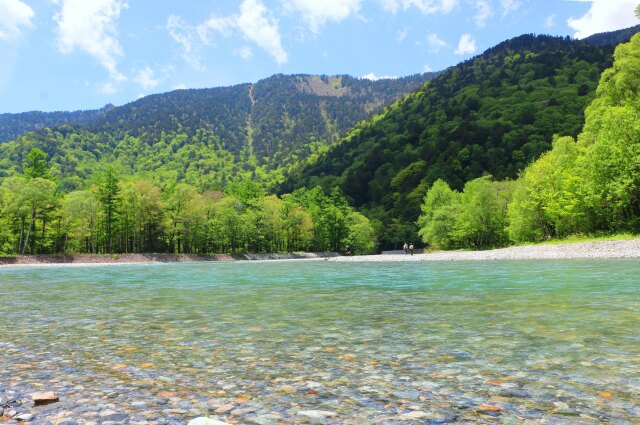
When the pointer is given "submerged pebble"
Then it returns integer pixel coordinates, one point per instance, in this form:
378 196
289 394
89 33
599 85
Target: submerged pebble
399 344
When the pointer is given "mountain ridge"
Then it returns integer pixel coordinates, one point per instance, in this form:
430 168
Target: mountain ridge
208 136
110 118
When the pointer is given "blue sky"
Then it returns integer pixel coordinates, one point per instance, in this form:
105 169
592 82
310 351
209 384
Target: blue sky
83 54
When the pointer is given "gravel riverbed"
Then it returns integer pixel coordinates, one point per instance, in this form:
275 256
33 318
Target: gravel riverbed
601 249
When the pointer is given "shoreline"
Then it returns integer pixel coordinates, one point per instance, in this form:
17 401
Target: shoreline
123 259
628 248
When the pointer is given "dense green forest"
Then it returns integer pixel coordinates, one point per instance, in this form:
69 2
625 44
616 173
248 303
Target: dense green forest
587 185
132 216
491 115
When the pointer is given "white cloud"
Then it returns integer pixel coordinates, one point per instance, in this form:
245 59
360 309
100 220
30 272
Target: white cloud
466 45
373 77
550 22
184 35
604 15
435 43
146 78
244 52
317 13
427 68
509 6
254 21
256 24
13 15
90 26
180 86
484 12
222 25
427 7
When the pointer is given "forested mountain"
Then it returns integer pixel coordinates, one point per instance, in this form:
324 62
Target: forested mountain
13 125
613 37
273 118
207 137
589 185
490 115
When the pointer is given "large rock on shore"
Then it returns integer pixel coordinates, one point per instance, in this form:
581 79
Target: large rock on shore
45 397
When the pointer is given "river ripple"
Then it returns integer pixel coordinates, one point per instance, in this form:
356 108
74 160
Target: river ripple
293 342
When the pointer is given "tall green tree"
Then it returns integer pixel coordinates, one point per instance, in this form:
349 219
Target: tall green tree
270 224
226 224
15 212
80 215
38 196
360 237
297 226
440 210
547 201
109 198
142 216
36 165
482 219
184 212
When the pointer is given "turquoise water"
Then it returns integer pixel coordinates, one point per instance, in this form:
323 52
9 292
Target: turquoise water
412 342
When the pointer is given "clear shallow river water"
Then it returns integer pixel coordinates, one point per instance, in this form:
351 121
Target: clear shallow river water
321 342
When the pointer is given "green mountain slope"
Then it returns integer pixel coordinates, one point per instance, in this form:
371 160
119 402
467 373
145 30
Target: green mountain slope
589 186
13 125
613 37
490 115
272 117
206 137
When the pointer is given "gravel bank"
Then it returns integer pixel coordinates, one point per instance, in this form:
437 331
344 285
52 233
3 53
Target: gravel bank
99 259
601 249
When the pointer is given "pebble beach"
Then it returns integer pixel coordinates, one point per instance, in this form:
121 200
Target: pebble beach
601 249
585 250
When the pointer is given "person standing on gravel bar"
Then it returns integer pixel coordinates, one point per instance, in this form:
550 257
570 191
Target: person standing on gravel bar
406 248
411 248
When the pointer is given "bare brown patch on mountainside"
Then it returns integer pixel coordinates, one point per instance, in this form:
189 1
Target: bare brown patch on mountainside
323 86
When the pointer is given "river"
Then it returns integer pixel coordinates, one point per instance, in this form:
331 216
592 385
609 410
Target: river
291 342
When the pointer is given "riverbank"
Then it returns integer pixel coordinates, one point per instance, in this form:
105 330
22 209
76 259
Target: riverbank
599 249
629 248
153 258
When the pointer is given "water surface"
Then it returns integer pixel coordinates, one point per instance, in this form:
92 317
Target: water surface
323 342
